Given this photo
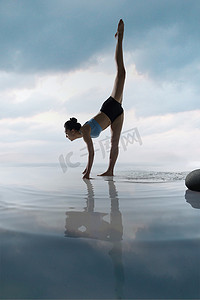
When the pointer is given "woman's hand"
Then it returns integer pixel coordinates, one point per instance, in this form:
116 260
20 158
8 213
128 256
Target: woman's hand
90 147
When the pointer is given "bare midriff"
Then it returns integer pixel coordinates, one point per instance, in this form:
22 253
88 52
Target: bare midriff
103 120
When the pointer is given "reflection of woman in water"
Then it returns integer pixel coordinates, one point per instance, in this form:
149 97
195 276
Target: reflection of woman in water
91 224
111 114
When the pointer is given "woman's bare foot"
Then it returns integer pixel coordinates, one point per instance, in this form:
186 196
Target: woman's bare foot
107 173
120 29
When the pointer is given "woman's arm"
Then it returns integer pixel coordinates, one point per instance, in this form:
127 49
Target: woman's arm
90 148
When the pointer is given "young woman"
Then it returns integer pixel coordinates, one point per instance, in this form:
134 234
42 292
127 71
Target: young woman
111 114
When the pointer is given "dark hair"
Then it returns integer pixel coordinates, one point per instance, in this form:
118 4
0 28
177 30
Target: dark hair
72 124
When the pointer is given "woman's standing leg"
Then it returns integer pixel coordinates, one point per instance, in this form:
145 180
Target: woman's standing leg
117 93
116 128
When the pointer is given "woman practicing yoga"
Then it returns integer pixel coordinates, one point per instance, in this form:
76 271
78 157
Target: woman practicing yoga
111 114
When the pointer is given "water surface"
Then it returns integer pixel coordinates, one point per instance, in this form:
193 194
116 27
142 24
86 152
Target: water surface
134 236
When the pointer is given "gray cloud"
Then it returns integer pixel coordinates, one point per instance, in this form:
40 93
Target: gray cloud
40 36
49 35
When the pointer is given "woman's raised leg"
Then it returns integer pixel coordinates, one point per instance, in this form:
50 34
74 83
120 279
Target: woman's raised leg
117 91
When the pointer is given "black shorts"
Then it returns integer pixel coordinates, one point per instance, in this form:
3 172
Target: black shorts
112 109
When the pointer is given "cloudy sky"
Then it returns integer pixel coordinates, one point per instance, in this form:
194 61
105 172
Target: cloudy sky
57 61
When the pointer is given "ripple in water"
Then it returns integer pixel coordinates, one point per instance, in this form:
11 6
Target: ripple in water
152 176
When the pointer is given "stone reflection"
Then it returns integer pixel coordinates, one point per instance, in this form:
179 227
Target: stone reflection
91 224
193 198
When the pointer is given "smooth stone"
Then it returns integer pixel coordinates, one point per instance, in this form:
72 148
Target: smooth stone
193 198
192 180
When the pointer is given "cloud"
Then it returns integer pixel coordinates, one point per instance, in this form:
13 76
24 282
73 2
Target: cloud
72 92
164 35
51 36
33 105
148 97
169 140
12 80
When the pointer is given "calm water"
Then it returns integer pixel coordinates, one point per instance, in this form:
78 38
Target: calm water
135 236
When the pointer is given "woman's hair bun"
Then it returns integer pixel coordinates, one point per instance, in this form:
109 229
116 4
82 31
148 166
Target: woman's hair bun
72 124
74 120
